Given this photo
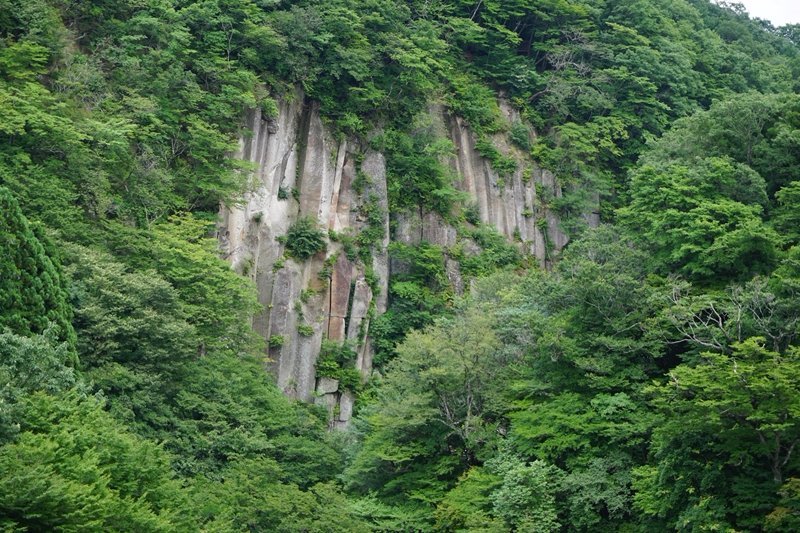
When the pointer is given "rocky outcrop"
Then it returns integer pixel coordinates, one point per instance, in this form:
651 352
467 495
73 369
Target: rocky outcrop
512 203
300 170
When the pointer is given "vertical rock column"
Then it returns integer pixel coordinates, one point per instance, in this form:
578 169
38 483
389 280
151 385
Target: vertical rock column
352 301
301 171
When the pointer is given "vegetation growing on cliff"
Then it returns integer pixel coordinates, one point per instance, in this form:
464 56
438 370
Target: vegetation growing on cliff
648 382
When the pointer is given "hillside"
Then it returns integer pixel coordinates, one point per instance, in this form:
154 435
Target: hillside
398 266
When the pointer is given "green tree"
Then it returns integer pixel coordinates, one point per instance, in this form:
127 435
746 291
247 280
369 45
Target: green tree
28 365
468 505
33 292
786 515
252 497
134 342
726 444
213 299
427 425
753 129
572 394
525 499
697 223
73 467
786 217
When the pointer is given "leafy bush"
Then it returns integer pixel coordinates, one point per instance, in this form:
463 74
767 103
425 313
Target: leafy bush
520 136
496 252
337 361
417 296
276 341
374 231
416 176
472 214
475 103
304 239
501 163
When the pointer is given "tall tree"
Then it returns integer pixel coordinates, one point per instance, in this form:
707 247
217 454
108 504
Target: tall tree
33 293
728 441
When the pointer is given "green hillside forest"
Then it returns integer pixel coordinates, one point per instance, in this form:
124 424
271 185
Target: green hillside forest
644 376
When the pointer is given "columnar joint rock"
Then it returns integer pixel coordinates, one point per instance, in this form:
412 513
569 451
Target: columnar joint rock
301 170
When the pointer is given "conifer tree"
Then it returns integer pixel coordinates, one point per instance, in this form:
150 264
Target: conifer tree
33 293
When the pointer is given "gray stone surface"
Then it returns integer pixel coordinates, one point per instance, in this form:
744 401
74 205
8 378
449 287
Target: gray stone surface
341 281
327 385
346 403
329 402
336 328
295 151
453 270
362 298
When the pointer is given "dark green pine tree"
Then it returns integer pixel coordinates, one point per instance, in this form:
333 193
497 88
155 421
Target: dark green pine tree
33 295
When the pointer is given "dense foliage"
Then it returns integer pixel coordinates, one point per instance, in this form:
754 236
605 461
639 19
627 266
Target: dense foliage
648 382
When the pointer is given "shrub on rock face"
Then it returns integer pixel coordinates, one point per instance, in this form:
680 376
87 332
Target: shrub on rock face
304 239
337 361
276 341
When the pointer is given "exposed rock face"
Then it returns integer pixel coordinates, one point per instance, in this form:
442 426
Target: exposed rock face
509 203
301 170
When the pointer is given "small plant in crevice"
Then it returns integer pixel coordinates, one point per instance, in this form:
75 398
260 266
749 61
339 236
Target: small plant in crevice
496 252
305 330
472 214
307 294
374 232
503 164
283 193
247 267
349 246
542 224
456 251
361 182
326 272
363 325
373 280
276 341
304 239
520 135
544 196
267 104
527 175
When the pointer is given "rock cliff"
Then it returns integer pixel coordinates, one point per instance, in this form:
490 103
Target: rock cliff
300 169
